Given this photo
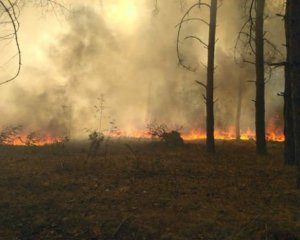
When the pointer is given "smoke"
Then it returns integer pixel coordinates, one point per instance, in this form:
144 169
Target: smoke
134 66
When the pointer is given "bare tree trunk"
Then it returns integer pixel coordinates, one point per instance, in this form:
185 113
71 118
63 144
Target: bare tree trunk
210 138
260 79
293 29
289 145
238 111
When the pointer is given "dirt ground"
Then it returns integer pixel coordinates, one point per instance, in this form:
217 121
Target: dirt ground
147 191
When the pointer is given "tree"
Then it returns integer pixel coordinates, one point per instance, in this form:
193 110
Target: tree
210 140
262 53
289 144
260 79
9 16
293 62
239 110
209 86
10 13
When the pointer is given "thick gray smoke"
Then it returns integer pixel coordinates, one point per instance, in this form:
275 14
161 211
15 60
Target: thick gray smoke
136 71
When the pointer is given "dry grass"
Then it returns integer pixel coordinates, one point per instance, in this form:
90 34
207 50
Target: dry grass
147 191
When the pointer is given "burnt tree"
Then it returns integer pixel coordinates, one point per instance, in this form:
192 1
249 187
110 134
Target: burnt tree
293 62
289 145
256 49
238 111
209 86
210 139
260 79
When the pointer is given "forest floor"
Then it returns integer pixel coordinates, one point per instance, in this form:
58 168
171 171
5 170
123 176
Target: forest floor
147 191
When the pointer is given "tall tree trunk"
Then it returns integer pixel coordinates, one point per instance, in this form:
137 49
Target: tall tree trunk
293 29
238 111
289 145
260 79
210 138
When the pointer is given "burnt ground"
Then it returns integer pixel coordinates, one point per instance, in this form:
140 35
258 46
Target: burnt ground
147 191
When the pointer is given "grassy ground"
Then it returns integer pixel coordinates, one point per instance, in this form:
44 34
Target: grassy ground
147 191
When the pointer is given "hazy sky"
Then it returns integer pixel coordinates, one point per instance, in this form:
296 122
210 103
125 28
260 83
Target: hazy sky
118 48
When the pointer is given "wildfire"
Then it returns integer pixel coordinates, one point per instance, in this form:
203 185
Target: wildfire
41 141
274 136
273 133
192 135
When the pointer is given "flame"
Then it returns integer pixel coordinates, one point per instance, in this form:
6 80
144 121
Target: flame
273 133
40 141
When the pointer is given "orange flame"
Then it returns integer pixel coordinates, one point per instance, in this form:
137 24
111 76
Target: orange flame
41 141
229 134
273 133
192 135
